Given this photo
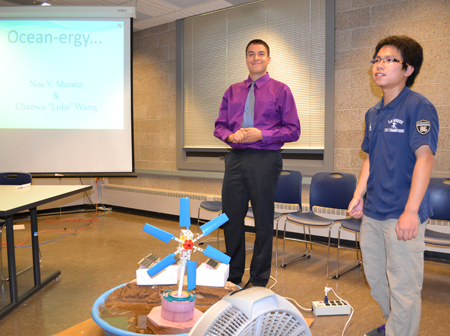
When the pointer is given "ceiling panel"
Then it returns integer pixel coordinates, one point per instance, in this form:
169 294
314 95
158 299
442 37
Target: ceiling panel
185 3
121 2
150 13
155 9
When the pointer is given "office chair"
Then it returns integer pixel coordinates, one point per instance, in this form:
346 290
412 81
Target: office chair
328 190
13 179
352 225
211 206
289 191
440 201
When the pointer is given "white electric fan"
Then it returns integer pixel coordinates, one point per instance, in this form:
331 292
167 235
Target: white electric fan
256 311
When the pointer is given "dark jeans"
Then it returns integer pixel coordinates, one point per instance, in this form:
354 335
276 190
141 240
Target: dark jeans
250 174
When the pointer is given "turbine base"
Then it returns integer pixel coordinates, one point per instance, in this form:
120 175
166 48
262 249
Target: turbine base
176 315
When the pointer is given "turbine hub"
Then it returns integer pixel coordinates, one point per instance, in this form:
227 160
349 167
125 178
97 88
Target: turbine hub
188 244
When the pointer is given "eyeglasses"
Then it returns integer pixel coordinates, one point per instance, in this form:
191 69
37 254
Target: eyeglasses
388 60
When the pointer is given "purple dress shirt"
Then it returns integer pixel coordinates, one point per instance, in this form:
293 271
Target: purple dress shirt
275 113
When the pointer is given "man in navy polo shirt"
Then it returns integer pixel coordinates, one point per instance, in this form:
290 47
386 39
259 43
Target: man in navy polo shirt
400 140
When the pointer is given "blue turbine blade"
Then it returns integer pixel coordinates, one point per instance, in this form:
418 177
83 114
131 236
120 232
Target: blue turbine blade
185 212
213 224
166 262
191 268
211 252
158 233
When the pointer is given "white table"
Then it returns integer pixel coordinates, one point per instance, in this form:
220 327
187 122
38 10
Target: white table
14 200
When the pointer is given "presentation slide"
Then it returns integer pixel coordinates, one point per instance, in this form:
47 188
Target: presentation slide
65 90
55 70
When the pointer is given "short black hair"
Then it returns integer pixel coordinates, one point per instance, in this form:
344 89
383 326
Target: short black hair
258 41
410 50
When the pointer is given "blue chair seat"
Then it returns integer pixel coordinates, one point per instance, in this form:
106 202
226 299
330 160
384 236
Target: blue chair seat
351 224
289 191
214 206
276 215
328 190
309 218
439 189
437 238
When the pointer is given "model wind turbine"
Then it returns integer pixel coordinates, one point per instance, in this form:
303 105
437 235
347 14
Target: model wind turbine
187 246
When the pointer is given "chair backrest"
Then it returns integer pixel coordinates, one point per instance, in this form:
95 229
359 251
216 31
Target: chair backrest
15 178
332 190
440 198
289 188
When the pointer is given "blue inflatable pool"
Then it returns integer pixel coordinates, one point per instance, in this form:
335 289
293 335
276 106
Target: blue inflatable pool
107 328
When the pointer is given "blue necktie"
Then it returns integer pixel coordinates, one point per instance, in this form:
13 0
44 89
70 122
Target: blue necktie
249 109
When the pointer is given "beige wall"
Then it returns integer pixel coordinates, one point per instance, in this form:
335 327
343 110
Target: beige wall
154 97
154 100
359 25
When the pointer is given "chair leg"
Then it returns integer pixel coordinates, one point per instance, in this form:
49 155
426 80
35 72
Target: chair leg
198 230
328 254
305 255
358 259
250 248
337 255
358 249
276 241
310 242
1 254
198 221
284 244
218 239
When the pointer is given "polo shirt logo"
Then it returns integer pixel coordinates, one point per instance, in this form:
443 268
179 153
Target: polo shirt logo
394 128
423 126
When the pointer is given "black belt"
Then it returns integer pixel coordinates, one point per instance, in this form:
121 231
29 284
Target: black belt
245 150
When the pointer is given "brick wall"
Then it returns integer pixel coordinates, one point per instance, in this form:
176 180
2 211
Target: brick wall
154 97
360 24
154 104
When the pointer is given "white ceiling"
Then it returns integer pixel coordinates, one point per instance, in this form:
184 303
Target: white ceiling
150 13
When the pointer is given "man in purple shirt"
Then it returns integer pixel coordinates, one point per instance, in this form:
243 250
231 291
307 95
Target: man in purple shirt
253 166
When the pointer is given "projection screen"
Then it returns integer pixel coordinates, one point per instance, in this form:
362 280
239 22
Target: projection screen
66 90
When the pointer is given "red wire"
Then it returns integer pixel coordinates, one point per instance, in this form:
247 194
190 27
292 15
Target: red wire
93 219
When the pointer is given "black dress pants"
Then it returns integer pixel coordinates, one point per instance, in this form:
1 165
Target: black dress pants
250 174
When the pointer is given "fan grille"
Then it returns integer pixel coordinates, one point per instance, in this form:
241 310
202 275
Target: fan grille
274 323
270 316
233 322
228 323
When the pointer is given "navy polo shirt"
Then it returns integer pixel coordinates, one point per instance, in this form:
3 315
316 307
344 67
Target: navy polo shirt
393 133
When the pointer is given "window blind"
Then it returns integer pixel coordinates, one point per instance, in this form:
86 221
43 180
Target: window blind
214 58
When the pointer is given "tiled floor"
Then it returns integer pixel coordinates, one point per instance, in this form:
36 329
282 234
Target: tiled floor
106 255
